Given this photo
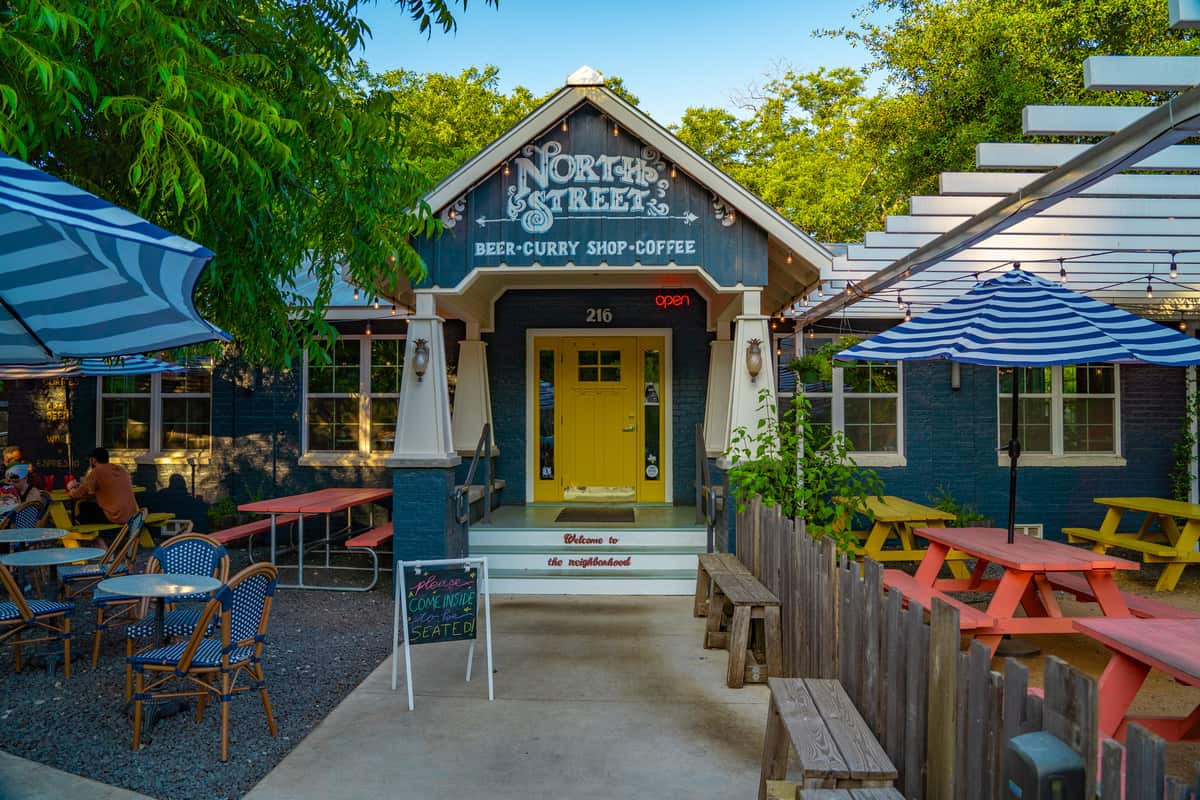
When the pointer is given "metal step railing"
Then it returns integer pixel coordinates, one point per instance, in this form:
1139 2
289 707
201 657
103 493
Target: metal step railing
462 494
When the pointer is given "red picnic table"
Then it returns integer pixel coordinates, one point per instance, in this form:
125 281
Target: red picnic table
1139 645
322 501
1033 569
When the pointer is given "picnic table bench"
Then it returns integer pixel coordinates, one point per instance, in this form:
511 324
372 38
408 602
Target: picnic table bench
969 618
710 563
1168 544
751 603
1168 645
1139 606
367 541
834 746
787 790
897 519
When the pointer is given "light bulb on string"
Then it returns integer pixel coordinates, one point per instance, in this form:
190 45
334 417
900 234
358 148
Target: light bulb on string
908 313
789 257
899 302
616 131
564 125
673 172
1149 289
848 288
375 305
393 309
1183 325
820 291
368 327
355 292
1174 268
812 334
507 171
804 301
1062 273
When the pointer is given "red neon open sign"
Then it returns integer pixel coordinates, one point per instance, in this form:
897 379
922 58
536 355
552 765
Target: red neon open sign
672 300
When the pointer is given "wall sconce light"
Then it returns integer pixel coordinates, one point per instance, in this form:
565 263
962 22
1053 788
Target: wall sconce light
955 376
754 358
420 358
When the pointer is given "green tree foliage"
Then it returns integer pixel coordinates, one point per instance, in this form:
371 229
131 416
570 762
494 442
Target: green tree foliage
243 124
837 159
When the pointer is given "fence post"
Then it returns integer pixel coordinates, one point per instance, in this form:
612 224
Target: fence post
916 673
943 680
1111 764
1145 757
1069 712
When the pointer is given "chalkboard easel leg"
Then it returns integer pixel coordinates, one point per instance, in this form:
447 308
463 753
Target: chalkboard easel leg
470 659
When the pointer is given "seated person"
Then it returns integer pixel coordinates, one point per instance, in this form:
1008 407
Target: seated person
109 490
14 455
16 478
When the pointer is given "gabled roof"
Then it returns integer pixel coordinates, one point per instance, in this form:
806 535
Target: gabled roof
586 86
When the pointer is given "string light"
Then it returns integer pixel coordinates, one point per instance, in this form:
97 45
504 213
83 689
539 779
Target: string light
789 257
908 313
1062 273
848 288
452 214
375 305
899 302
393 309
820 292
673 173
804 301
368 327
1149 289
1174 268
564 125
507 171
355 292
616 131
1016 265
812 333
1183 325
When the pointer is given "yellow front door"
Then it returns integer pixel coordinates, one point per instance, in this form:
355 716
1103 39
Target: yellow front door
598 419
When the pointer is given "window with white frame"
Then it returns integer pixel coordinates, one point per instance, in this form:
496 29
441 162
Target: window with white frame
862 400
1069 410
351 401
163 413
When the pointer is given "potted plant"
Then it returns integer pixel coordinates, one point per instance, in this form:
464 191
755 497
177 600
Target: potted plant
222 514
817 366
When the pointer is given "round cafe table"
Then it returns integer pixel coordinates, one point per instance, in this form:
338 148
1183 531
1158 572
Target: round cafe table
51 556
161 586
32 535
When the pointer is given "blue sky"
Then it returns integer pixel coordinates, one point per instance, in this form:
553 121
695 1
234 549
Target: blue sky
671 54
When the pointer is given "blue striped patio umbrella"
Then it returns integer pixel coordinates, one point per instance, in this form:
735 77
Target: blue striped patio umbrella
82 278
1020 320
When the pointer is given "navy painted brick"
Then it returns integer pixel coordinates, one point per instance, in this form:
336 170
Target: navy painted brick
517 311
422 515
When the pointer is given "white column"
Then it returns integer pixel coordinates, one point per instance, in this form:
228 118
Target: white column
716 403
744 404
472 396
423 433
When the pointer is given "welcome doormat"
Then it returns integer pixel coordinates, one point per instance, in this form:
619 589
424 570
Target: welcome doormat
601 515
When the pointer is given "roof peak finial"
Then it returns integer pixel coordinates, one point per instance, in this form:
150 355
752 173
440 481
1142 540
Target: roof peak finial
585 76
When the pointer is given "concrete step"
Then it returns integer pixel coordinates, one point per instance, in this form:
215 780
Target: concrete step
559 539
582 564
596 584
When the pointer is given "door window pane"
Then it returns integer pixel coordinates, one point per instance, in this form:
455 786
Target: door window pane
652 412
546 415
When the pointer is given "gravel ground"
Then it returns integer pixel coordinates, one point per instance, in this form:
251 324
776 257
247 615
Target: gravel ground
321 645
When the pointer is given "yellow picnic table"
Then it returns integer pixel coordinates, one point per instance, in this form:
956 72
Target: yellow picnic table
60 518
1159 539
895 517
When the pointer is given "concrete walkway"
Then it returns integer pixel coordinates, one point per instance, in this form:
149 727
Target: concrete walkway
22 779
596 697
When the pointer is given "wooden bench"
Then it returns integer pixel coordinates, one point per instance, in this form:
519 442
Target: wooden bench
710 563
751 602
969 618
367 541
1103 541
835 748
1142 607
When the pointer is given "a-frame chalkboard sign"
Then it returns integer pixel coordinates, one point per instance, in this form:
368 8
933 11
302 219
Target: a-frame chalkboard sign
438 601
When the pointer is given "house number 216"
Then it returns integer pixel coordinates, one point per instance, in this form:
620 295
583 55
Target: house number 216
600 315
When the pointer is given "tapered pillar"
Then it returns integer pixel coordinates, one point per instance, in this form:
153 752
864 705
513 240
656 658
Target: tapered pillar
472 397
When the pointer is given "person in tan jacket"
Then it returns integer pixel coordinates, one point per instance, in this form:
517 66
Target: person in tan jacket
111 488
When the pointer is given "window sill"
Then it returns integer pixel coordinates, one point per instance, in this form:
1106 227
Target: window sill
1047 460
347 459
185 458
879 459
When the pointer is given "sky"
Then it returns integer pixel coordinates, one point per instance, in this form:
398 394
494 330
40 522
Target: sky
671 54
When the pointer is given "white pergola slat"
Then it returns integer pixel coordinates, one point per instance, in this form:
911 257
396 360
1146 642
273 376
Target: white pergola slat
1079 120
1002 155
1184 13
1151 73
968 183
858 252
1097 225
1129 207
1062 241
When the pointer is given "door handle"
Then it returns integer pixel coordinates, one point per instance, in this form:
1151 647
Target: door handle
629 428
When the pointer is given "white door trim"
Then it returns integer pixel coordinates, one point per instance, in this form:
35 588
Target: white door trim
531 395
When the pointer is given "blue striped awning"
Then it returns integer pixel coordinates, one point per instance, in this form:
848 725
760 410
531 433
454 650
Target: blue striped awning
82 278
1021 320
90 367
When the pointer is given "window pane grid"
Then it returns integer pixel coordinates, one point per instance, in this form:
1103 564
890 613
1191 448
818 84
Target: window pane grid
353 402
1076 404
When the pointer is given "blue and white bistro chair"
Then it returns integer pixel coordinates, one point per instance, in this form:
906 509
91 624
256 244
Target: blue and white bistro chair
48 620
118 558
188 554
211 667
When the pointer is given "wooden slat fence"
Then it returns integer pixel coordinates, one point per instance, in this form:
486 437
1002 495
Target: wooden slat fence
943 716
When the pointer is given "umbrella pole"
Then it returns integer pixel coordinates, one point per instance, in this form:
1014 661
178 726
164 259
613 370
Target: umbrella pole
1014 452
